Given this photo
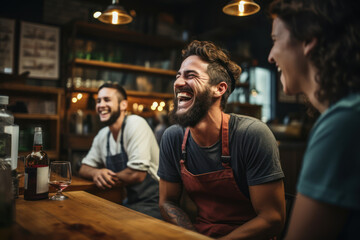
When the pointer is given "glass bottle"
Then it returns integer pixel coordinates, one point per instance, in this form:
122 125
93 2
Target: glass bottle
9 141
36 170
6 119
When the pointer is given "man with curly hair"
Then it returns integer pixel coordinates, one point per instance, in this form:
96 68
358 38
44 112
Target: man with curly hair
227 164
317 50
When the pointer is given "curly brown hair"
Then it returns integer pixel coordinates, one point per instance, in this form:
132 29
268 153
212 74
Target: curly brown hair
220 66
336 26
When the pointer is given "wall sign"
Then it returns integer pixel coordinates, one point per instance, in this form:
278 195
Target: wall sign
39 50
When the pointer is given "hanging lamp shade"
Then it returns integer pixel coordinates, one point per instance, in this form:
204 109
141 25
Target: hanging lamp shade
241 8
114 14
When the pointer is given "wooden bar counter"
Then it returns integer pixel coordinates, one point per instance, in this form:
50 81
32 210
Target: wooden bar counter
86 216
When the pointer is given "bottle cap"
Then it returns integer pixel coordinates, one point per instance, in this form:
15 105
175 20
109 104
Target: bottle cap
4 99
37 129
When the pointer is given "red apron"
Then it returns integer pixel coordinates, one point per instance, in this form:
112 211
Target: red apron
222 207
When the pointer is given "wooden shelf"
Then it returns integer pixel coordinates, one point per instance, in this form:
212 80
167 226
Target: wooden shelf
19 92
121 34
123 67
36 116
30 89
130 93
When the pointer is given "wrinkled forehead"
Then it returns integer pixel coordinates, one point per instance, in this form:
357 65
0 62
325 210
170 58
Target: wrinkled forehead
194 62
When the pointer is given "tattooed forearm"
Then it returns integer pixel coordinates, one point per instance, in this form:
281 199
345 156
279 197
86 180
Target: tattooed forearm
174 214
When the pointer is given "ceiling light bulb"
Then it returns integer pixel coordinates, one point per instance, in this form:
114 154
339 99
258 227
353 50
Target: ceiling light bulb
241 6
115 16
97 14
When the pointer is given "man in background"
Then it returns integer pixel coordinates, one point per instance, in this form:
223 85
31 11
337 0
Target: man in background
124 151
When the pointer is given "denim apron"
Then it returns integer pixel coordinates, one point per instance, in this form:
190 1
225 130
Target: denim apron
142 197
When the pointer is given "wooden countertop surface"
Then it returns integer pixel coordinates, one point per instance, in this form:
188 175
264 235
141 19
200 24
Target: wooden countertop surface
86 216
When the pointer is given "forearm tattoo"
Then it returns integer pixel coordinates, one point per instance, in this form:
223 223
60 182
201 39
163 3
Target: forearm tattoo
174 214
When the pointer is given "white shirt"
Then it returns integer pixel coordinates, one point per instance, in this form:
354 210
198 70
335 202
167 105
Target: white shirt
139 144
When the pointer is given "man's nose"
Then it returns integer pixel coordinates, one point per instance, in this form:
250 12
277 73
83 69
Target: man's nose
180 81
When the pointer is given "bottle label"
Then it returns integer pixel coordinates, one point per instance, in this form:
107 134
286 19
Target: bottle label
37 176
42 185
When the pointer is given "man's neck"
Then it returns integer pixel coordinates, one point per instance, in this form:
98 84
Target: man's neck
207 131
116 126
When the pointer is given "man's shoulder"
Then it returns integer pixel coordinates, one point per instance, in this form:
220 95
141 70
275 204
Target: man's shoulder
103 132
245 122
173 133
136 121
134 117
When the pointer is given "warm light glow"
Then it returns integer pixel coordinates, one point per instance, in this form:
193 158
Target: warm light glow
160 108
155 104
74 99
254 93
135 106
141 108
153 107
97 14
79 96
171 107
162 104
115 17
241 7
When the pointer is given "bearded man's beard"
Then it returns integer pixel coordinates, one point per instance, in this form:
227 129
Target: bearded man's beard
192 116
113 118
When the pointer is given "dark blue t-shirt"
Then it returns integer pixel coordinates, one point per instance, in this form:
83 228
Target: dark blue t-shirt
253 149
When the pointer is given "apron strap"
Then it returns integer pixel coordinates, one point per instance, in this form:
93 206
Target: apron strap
121 139
183 146
225 152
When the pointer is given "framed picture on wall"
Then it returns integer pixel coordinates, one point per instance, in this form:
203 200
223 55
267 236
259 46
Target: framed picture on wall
7 33
39 50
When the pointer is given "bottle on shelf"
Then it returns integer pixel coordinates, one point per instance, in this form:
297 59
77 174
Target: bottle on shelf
9 141
36 170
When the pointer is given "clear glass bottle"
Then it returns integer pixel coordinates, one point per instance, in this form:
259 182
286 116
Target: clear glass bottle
36 170
6 119
7 203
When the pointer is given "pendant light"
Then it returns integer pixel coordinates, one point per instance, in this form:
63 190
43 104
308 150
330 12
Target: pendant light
241 8
114 14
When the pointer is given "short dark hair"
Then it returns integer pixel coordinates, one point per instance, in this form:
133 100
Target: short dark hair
121 91
336 26
220 66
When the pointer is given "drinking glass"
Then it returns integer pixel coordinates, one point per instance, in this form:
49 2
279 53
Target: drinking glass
60 178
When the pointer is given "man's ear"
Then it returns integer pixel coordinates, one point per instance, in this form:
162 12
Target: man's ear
123 105
220 89
309 45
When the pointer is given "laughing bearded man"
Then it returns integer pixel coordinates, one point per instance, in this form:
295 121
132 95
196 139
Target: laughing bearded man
227 164
124 151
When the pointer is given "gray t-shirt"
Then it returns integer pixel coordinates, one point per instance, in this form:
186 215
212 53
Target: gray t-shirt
253 149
